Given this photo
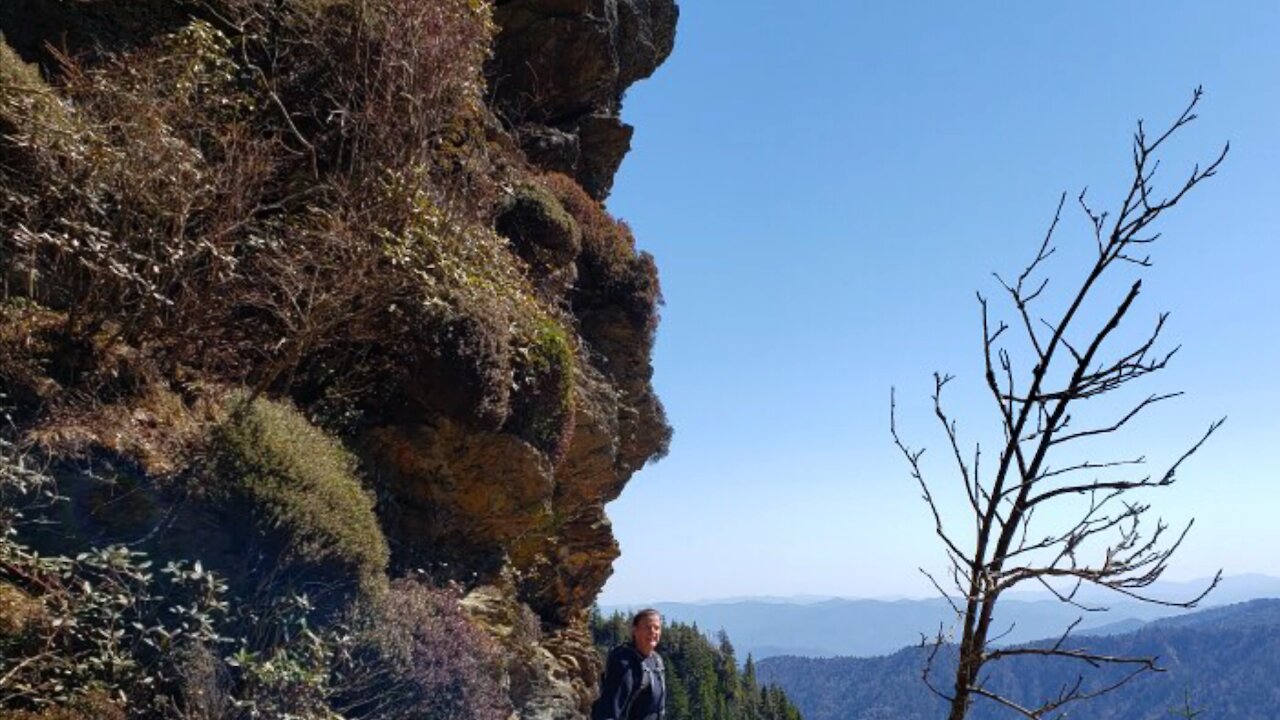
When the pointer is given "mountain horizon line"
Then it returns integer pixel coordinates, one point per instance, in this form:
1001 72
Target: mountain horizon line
815 598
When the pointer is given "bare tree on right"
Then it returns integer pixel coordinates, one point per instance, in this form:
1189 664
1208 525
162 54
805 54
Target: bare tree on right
1075 356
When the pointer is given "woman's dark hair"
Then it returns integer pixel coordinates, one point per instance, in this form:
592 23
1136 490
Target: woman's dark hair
645 613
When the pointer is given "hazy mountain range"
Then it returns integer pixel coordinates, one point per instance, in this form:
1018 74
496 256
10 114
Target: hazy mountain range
815 627
1226 660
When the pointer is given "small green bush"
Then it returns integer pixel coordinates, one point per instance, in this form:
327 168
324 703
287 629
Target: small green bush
18 611
23 92
300 485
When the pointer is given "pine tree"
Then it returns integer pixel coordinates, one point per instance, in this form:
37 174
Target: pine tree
750 691
727 670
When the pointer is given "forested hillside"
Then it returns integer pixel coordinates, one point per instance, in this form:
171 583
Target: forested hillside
1224 659
704 681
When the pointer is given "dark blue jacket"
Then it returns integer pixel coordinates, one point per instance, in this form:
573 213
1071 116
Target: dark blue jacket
623 683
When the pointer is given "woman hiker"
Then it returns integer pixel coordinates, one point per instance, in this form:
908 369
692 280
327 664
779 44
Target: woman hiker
633 687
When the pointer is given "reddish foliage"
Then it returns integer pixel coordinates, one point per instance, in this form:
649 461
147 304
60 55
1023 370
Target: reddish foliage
422 657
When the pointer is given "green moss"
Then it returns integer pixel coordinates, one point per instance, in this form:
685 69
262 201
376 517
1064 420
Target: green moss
16 73
301 483
542 232
552 354
543 407
27 103
469 279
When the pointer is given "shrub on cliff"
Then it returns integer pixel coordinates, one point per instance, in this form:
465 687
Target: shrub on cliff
610 271
86 636
121 189
544 235
363 86
416 654
296 197
300 489
411 652
219 189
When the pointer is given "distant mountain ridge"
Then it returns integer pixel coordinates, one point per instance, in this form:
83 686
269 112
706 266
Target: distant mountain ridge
808 627
1226 658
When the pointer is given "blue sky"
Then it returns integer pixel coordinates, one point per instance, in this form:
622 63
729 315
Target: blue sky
826 184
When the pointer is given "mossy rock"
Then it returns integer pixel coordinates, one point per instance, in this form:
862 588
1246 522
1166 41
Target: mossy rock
28 106
467 374
542 407
541 231
300 487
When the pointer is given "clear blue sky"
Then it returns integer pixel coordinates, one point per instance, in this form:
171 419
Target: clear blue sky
825 185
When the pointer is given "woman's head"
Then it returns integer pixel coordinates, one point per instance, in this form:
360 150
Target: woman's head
646 630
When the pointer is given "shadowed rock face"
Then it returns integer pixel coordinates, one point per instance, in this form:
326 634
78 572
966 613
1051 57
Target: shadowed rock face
560 69
32 26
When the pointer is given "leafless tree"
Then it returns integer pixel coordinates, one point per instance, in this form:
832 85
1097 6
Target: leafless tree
1073 360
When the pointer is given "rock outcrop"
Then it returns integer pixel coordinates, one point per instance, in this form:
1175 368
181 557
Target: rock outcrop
559 72
428 285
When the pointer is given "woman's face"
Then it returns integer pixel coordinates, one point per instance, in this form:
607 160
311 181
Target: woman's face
647 633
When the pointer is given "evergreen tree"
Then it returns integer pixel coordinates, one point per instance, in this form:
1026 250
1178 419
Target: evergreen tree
750 691
727 669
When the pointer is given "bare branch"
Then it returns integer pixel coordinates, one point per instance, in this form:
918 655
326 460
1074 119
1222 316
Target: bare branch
1106 544
913 458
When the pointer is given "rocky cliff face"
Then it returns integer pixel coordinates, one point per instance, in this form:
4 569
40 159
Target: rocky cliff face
410 252
560 70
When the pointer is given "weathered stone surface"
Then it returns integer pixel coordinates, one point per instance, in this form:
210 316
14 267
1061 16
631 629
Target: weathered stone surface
549 148
564 65
465 375
564 569
550 675
605 140
477 498
649 27
458 488
554 61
